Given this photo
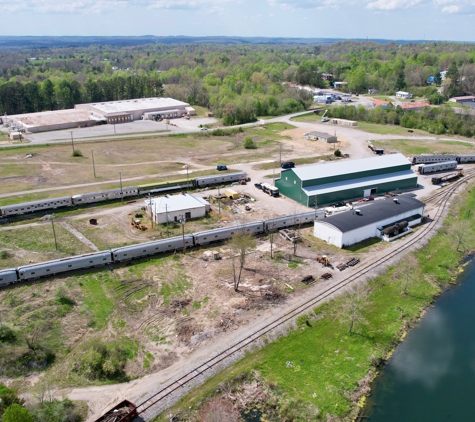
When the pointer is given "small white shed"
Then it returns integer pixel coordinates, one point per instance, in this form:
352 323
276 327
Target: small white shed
176 207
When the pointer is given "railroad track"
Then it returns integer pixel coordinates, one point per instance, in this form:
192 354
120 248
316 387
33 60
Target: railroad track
165 396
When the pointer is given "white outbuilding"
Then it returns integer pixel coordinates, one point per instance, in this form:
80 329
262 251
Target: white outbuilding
170 208
387 219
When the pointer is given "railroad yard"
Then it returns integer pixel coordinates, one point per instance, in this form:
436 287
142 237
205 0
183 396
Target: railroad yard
167 313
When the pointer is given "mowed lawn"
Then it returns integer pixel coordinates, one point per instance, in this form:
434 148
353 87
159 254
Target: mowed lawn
426 146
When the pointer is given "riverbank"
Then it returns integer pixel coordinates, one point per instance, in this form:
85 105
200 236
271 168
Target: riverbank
323 367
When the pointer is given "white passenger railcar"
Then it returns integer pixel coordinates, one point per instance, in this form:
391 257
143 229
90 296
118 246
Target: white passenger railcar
429 159
105 195
292 220
80 262
466 158
26 207
142 250
217 235
432 168
219 179
8 276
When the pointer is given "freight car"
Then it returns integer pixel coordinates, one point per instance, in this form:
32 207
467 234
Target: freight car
432 168
142 250
430 159
125 411
447 178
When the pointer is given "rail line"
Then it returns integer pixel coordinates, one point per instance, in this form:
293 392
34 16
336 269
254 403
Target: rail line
149 407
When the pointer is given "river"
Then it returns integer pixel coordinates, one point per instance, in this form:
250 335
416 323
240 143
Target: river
431 375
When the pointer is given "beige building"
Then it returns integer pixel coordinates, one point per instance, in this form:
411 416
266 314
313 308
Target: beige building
139 109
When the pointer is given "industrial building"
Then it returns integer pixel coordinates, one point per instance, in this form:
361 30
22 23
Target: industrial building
403 95
322 136
139 109
171 208
321 184
381 218
52 120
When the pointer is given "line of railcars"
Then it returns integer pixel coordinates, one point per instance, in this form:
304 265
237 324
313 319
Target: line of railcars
432 168
125 192
147 249
431 159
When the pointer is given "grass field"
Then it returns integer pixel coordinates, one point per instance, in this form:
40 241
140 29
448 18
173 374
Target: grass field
308 118
314 371
416 147
388 129
36 243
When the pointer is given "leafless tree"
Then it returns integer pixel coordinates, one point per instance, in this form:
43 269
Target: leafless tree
405 270
240 245
459 231
353 305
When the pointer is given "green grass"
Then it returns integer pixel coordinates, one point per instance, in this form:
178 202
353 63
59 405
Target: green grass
388 129
326 360
416 147
308 117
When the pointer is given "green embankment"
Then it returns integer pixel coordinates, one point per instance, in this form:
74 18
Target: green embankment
314 371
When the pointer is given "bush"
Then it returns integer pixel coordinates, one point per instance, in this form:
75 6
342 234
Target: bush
102 361
337 153
7 335
77 153
57 411
7 398
3 254
249 143
17 413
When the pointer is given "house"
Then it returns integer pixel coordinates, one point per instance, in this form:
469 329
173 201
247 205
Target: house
339 85
383 104
464 99
373 91
403 95
322 136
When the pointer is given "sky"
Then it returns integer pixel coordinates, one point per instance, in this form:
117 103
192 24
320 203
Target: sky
451 20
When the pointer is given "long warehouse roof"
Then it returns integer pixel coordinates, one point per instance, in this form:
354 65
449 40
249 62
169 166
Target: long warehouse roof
135 105
349 166
373 212
359 183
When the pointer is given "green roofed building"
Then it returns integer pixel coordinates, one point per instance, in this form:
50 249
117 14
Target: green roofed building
322 184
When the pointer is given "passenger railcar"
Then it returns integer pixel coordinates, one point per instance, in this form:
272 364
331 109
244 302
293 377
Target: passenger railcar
432 168
8 276
217 235
290 220
142 250
105 195
27 207
218 179
466 158
80 262
430 159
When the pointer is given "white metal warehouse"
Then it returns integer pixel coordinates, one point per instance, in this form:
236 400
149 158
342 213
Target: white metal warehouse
369 220
138 109
171 208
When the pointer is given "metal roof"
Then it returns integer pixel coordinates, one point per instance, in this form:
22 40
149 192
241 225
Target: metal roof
172 203
49 118
373 212
359 183
322 134
316 171
134 105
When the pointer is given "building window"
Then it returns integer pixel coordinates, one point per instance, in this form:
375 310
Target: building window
188 215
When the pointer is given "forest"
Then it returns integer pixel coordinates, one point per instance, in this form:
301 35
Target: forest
237 82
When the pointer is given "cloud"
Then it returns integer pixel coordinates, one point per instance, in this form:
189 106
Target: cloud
99 6
312 4
392 4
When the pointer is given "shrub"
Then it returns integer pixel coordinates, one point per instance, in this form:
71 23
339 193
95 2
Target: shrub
337 153
249 143
17 413
77 153
7 335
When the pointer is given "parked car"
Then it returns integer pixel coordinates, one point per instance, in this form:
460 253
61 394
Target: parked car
221 168
204 128
258 185
288 165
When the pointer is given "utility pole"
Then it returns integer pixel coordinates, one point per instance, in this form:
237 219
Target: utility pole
166 216
114 128
219 202
121 193
54 233
72 140
280 155
151 211
93 165
183 221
